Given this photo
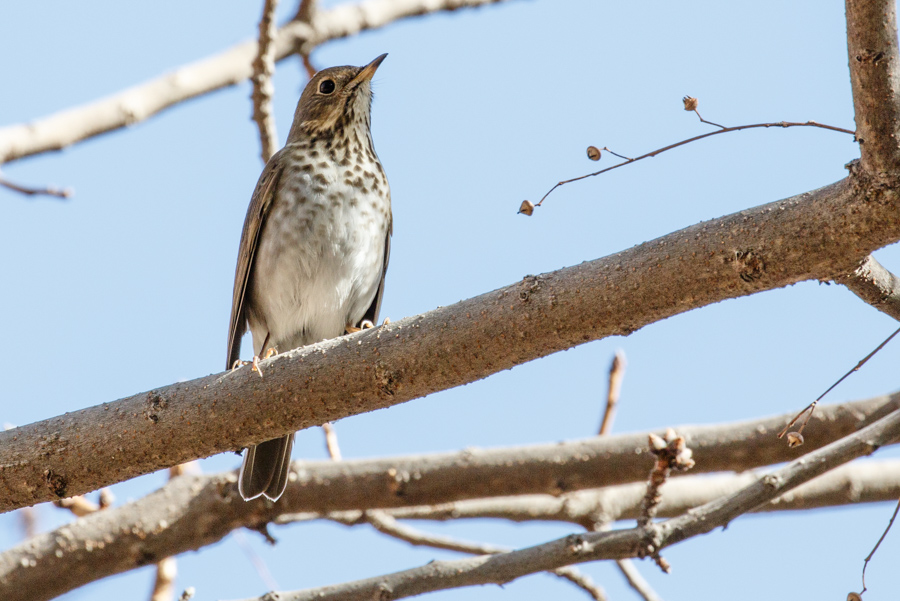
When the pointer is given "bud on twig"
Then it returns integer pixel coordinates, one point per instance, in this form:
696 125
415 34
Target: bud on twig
526 208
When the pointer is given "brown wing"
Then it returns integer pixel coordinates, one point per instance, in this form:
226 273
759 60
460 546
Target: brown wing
373 310
253 224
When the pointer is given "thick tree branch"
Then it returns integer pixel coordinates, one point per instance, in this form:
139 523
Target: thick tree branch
875 285
227 68
592 546
816 235
193 511
875 79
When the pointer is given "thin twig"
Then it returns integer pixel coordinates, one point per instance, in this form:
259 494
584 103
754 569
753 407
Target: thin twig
28 522
164 583
28 191
878 544
263 89
331 441
311 69
636 580
671 453
258 564
616 374
812 406
690 104
782 124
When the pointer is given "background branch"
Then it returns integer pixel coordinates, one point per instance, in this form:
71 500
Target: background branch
592 546
201 510
228 68
875 80
263 88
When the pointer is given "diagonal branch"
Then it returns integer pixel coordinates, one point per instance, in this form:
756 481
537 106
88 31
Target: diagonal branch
387 525
816 235
191 512
592 546
228 68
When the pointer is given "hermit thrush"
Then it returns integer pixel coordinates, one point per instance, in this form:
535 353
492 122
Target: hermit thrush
315 244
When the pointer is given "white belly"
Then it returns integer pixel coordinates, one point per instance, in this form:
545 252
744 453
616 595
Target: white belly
320 258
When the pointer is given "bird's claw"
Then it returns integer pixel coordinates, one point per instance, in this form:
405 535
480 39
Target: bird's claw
365 325
270 352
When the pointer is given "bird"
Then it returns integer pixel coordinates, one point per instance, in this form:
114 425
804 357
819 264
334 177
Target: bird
315 243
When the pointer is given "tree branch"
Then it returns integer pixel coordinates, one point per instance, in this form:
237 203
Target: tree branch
875 285
391 527
263 88
816 235
869 482
875 80
617 544
227 68
193 511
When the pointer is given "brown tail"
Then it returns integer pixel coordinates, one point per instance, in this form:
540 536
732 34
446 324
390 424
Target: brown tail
265 469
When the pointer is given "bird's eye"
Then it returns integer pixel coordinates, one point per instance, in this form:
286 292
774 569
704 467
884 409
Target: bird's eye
326 87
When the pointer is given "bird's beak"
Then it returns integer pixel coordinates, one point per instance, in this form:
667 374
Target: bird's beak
368 71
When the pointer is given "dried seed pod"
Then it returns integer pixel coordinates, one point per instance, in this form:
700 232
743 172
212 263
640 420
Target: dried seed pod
794 439
593 153
854 597
526 208
690 103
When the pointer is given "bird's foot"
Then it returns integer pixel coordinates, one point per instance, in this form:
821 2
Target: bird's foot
365 325
271 352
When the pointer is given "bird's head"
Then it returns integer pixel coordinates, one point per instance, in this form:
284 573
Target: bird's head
335 101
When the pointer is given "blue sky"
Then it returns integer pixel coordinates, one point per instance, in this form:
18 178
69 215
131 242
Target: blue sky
127 286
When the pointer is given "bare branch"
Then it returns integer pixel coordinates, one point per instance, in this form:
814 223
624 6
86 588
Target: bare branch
653 153
331 441
635 579
875 285
391 527
878 544
868 482
617 544
164 583
263 88
200 510
27 191
616 375
228 68
809 409
756 249
875 79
